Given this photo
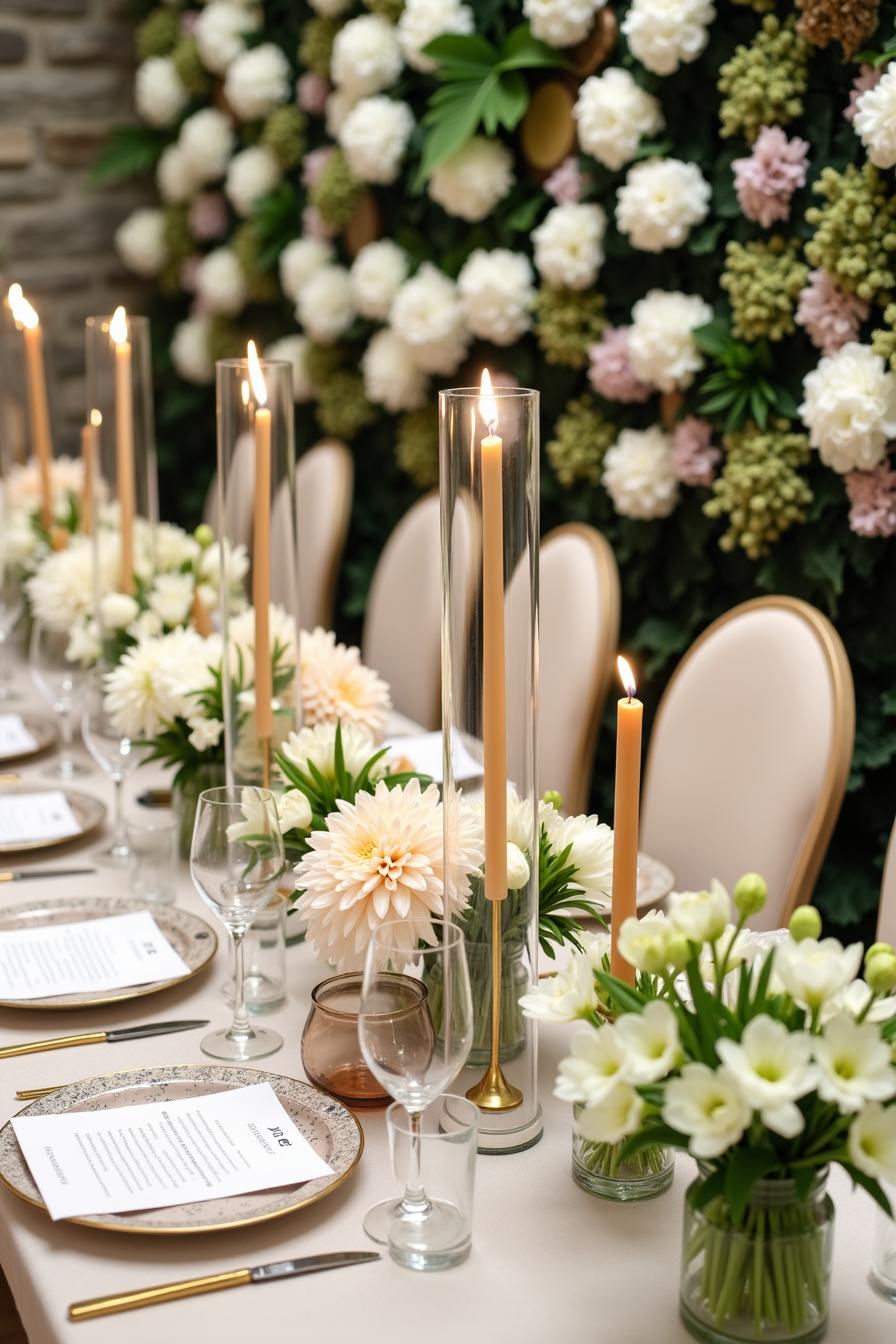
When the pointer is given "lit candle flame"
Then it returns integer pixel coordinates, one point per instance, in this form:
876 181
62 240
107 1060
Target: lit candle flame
96 418
256 377
118 327
626 676
14 296
24 314
488 406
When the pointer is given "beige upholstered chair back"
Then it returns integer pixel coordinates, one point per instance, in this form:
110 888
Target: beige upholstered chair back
886 918
750 752
324 478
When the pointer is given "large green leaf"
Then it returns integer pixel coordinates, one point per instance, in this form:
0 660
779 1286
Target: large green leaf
129 151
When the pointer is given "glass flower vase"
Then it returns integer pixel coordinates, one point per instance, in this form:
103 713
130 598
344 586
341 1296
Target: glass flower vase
600 1169
185 799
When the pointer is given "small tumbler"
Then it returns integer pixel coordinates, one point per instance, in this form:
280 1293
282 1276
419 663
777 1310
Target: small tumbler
152 862
883 1255
441 1237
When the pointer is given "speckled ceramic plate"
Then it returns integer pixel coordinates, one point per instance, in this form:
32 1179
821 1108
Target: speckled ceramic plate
89 813
44 733
189 935
332 1131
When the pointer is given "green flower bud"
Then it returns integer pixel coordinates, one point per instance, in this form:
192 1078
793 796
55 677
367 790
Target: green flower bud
554 799
805 923
881 973
878 950
582 435
678 952
760 488
750 894
567 323
204 536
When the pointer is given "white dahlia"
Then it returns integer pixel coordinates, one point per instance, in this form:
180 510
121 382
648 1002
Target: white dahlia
325 307
159 93
374 137
189 350
140 242
422 20
257 81
569 249
206 141
849 408
471 183
252 174
561 23
220 31
220 282
381 859
428 315
301 259
366 57
61 589
664 34
661 347
612 113
152 685
591 850
497 294
377 274
660 202
175 178
294 349
639 474
336 685
875 120
391 378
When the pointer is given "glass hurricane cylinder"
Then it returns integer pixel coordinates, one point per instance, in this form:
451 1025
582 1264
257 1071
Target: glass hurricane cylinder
256 512
13 406
489 530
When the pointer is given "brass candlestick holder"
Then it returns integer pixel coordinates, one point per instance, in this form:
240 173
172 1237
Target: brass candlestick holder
493 1092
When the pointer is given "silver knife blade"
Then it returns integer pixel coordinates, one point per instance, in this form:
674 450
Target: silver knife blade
286 1269
154 1029
24 874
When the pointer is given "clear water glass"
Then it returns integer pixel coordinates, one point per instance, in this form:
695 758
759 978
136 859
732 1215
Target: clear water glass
117 756
61 684
448 1136
152 858
883 1254
264 954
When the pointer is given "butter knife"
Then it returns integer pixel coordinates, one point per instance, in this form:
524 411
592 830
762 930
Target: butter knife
98 1037
211 1283
24 874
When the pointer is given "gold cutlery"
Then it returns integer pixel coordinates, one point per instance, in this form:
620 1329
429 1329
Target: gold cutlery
24 874
98 1037
35 1093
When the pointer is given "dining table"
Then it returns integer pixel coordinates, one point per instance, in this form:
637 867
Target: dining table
549 1261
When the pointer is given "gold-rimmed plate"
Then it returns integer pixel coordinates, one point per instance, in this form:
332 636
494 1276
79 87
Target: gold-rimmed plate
88 812
190 936
329 1127
43 731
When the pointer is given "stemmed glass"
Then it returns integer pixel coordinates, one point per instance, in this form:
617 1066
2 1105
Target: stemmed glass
116 755
236 863
61 683
11 606
412 1057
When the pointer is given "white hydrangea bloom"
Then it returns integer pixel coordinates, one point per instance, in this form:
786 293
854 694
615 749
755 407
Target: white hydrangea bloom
422 20
471 183
325 308
849 408
375 136
294 349
427 314
252 174
189 350
338 106
219 33
377 274
875 120
391 378
660 202
299 260
257 81
140 242
612 113
664 34
206 140
175 178
639 474
220 282
159 93
497 293
662 349
569 247
366 56
561 23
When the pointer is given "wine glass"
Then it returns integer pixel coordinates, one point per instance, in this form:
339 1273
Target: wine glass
61 683
412 1056
116 755
236 863
11 606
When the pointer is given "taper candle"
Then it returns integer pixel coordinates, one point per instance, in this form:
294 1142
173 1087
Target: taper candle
629 715
89 449
124 444
38 404
261 556
494 709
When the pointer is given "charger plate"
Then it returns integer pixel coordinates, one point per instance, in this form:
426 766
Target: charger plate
329 1127
44 733
193 939
89 813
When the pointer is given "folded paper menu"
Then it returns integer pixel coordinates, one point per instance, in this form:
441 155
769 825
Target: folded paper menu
36 816
114 952
161 1153
15 738
424 751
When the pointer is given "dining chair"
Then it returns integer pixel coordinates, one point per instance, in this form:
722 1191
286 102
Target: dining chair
886 915
323 504
750 751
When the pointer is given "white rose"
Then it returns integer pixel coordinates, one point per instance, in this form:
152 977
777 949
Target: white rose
293 811
664 34
569 245
471 183
853 1064
252 174
422 20
374 137
206 140
700 916
377 274
391 378
639 474
175 177
189 351
849 408
564 997
366 57
709 1106
257 81
517 868
875 120
140 242
497 295
325 307
220 282
773 1069
301 259
219 32
294 349
171 598
427 314
561 23
159 94
662 349
612 113
660 202
117 610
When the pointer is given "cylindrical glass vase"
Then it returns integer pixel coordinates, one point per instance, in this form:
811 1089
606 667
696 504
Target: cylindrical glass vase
600 1169
256 510
489 494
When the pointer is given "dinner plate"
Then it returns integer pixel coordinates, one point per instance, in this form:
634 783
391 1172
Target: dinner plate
190 936
44 733
89 813
329 1127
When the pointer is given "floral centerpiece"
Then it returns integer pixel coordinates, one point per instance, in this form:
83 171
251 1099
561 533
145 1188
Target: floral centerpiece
25 537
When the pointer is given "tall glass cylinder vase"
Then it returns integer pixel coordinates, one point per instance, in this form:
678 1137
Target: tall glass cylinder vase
489 495
13 407
256 509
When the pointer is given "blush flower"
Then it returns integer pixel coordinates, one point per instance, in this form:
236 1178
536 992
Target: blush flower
768 177
337 685
610 369
567 182
693 455
872 500
830 316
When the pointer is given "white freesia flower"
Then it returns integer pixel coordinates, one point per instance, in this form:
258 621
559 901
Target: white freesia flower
734 947
377 273
853 1064
159 93
206 142
569 249
849 408
564 997
591 850
140 242
422 20
661 344
707 1105
517 867
117 610
854 999
497 294
644 942
220 33
812 972
471 182
256 81
613 1118
660 202
366 56
700 916
293 811
773 1068
301 259
639 474
596 948
612 113
175 178
427 314
189 350
875 120
595 1065
205 733
337 685
391 378
317 745
252 174
220 282
561 23
325 307
650 1042
294 349
374 137
872 1142
664 34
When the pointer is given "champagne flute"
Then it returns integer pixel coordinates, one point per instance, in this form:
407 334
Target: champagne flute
61 683
116 755
236 863
405 1051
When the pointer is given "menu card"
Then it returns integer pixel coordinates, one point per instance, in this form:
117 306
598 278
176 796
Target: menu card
36 816
15 738
161 1153
95 954
424 751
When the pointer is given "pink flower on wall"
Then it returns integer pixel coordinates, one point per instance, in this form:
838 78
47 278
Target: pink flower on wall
872 498
567 182
312 92
313 225
188 268
766 180
693 456
610 370
830 315
869 77
208 216
313 164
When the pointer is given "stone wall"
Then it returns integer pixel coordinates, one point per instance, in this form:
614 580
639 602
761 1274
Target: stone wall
66 76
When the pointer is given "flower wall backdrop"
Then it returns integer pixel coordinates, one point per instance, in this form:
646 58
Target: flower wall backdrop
675 217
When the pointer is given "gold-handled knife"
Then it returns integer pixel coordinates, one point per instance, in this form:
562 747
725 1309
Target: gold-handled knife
98 1037
26 874
211 1283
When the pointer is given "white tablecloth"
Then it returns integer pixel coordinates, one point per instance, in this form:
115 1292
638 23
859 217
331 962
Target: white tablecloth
549 1262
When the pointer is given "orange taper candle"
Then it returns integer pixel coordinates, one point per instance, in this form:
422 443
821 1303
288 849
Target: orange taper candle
89 452
261 553
494 708
38 404
629 715
124 444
